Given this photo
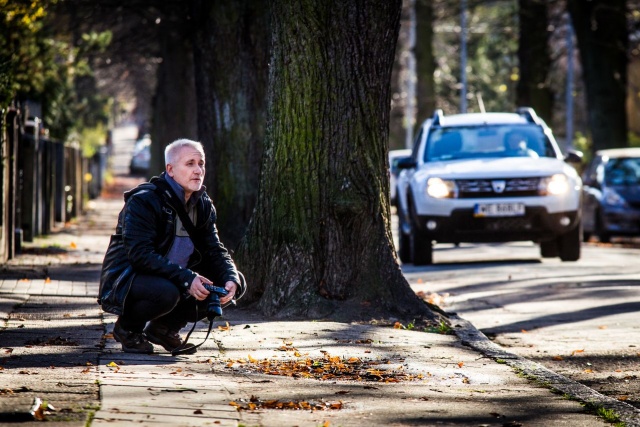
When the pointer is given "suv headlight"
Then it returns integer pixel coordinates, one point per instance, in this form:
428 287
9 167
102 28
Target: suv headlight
612 198
554 185
439 188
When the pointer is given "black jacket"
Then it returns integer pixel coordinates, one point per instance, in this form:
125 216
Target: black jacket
144 234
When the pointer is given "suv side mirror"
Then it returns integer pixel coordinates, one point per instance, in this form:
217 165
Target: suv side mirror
406 163
573 156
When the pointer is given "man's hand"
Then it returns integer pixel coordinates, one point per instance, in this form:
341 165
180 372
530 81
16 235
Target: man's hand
197 290
232 287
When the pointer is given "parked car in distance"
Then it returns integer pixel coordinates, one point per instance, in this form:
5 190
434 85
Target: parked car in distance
394 157
488 178
611 194
141 156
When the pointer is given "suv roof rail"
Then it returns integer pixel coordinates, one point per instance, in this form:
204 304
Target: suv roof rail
437 116
528 113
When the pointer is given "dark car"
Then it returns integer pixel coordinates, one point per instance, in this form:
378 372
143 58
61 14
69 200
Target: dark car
611 194
141 156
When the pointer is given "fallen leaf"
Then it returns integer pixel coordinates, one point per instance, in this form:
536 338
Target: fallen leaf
460 364
557 358
574 352
73 245
38 412
113 365
603 327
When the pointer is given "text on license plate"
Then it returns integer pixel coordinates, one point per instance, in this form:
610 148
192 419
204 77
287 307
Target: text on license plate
498 209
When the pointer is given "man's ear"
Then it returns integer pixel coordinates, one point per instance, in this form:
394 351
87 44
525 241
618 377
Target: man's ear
169 169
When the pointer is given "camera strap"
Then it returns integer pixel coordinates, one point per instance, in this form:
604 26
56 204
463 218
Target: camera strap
164 190
182 348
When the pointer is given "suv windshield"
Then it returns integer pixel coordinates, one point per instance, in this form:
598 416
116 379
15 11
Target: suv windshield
472 142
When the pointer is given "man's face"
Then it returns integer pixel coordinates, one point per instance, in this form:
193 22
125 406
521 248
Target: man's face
188 170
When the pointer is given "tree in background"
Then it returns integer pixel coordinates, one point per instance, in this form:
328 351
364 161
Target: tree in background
601 30
38 65
319 242
231 61
534 61
174 105
492 40
425 61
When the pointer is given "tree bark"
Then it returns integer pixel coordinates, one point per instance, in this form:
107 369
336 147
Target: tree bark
319 243
602 35
232 39
533 88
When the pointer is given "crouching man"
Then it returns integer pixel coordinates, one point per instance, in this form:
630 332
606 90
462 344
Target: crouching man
160 258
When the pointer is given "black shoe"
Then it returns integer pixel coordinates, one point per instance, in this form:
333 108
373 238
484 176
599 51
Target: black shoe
170 339
132 342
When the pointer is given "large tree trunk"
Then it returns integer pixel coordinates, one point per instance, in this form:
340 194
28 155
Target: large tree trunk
533 88
174 105
425 61
601 31
231 58
319 243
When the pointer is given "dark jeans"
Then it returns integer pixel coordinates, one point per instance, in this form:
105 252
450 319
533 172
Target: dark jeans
156 298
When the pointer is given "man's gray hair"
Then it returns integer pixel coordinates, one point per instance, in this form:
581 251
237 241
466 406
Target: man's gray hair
172 149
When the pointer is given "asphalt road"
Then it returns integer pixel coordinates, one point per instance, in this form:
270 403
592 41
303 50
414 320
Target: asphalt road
578 319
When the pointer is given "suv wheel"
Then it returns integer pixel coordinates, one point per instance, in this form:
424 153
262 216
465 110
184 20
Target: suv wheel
549 249
404 241
569 244
603 235
421 248
420 245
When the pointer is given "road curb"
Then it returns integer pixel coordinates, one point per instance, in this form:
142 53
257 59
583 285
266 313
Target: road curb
471 337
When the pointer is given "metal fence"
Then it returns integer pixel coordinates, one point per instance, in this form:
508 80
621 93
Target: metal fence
43 183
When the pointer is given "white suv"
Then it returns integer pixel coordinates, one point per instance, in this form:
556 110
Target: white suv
488 177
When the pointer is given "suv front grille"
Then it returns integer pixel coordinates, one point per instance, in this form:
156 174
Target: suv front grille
513 187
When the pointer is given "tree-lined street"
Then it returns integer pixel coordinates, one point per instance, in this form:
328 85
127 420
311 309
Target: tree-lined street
297 105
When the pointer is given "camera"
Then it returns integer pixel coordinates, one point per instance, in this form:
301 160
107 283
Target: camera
214 309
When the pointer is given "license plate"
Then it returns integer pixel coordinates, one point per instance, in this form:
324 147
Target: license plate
498 209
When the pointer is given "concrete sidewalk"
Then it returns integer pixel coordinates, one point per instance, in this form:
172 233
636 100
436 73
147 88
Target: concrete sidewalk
56 346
